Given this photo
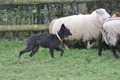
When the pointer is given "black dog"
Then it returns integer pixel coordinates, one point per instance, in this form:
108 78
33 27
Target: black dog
51 41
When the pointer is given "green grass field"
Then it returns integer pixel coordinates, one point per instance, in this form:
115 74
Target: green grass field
75 64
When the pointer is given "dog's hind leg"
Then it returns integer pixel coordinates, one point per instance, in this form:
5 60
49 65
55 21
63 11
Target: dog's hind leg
28 48
24 51
59 49
34 50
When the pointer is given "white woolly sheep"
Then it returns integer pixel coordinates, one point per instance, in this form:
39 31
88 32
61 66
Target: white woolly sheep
83 27
110 36
68 42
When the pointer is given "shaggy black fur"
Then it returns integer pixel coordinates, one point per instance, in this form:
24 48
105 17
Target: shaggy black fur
50 41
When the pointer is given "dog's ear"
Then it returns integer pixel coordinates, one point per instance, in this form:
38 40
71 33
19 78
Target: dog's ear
62 26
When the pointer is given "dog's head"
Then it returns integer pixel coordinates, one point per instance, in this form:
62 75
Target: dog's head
64 32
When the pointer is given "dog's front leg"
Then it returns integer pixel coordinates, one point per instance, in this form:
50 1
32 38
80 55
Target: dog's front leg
51 52
59 49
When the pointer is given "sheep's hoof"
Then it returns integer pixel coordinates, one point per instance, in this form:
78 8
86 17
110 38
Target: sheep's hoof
88 47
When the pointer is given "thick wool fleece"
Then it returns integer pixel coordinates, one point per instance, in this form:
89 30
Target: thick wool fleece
111 32
83 27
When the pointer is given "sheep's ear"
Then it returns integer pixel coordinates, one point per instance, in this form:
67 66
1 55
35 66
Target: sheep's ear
97 10
62 26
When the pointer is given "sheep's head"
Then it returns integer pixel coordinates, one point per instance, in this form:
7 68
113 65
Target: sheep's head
102 12
116 14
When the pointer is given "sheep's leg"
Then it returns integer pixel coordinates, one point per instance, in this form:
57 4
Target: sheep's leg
89 45
99 42
114 52
65 46
101 45
105 45
92 44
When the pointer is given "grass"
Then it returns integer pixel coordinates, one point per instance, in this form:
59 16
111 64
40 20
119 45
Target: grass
75 64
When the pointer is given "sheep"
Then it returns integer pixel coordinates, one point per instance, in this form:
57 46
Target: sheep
110 36
67 42
103 42
83 27
116 14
